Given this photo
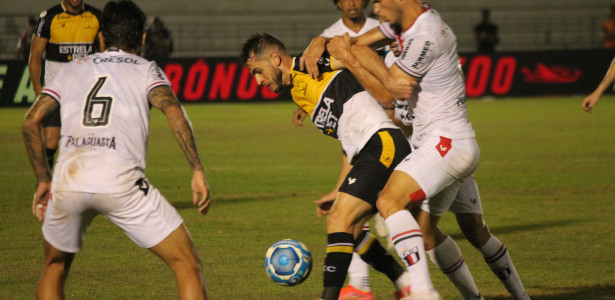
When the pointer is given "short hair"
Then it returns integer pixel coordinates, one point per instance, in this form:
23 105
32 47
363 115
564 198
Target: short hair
365 3
257 44
123 24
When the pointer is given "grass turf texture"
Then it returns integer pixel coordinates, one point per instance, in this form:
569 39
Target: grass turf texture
546 179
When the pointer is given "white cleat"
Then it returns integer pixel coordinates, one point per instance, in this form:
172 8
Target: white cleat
425 295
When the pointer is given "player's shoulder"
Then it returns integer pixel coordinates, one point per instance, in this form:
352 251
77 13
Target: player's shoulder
336 28
51 12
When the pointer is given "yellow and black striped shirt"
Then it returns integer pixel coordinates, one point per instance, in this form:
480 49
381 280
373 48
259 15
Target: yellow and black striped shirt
323 98
69 35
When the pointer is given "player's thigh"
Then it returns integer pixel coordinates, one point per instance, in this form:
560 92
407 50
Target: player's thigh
67 217
348 213
397 192
177 247
143 213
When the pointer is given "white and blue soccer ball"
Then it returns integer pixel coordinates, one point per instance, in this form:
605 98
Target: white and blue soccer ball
288 262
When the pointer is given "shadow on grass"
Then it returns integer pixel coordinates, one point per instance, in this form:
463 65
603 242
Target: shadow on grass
525 227
245 198
594 292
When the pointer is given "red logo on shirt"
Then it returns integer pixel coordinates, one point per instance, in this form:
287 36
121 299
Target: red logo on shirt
444 146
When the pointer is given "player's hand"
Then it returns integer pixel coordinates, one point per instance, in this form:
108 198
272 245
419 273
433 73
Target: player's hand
400 88
41 198
311 56
324 203
200 191
590 101
298 117
339 48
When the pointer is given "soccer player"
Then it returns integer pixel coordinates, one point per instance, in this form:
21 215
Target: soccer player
63 33
445 148
341 108
105 102
354 22
592 99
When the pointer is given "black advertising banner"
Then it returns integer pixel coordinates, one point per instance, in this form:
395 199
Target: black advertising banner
570 72
219 80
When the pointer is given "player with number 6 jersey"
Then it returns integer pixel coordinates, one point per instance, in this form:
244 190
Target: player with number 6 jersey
106 135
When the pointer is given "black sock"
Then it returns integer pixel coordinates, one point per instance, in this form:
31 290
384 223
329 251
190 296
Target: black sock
370 250
50 154
339 255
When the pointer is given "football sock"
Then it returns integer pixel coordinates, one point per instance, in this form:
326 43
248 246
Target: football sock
358 271
449 260
496 256
50 154
339 253
408 240
372 252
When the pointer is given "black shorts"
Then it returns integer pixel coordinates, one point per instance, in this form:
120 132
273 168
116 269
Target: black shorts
374 164
52 120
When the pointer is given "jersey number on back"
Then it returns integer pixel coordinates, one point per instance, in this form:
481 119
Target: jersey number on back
97 108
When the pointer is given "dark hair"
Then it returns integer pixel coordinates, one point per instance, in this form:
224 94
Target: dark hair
122 25
365 4
256 44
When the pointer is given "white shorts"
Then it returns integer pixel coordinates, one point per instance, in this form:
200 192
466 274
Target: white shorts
467 200
146 219
439 167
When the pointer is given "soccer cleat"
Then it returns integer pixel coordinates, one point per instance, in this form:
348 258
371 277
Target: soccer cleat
403 294
349 292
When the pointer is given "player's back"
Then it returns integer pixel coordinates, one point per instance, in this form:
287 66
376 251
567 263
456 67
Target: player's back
105 121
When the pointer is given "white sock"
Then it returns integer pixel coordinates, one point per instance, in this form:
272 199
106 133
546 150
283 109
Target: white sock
449 260
408 240
358 273
496 256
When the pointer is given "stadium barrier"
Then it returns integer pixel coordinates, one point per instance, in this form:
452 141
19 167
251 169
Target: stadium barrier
218 80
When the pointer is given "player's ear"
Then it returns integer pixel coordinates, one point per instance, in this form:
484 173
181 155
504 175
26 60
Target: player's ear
143 38
276 60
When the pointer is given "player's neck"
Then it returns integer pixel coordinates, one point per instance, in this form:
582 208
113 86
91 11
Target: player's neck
354 24
410 14
72 9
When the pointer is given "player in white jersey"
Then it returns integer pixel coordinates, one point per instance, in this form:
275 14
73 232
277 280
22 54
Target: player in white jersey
105 102
468 211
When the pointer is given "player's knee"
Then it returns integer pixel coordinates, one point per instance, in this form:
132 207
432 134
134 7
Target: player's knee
338 221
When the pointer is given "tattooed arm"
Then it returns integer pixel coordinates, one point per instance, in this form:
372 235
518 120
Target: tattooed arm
33 140
163 98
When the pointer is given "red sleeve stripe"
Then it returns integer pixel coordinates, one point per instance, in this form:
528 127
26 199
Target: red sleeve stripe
51 93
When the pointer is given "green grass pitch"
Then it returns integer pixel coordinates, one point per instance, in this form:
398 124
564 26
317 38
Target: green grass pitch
547 181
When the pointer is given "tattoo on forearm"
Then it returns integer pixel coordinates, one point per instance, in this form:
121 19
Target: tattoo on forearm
33 138
164 99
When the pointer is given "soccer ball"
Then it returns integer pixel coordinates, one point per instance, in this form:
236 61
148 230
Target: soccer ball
288 262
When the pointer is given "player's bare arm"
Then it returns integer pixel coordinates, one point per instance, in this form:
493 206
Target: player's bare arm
592 99
312 54
33 140
163 98
340 49
34 66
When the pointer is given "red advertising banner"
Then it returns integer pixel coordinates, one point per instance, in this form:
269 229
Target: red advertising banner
219 80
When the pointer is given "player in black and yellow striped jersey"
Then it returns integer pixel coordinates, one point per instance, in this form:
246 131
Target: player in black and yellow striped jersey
64 32
341 108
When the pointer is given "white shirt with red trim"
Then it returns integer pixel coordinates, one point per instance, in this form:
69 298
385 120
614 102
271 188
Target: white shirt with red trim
339 28
429 53
105 121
